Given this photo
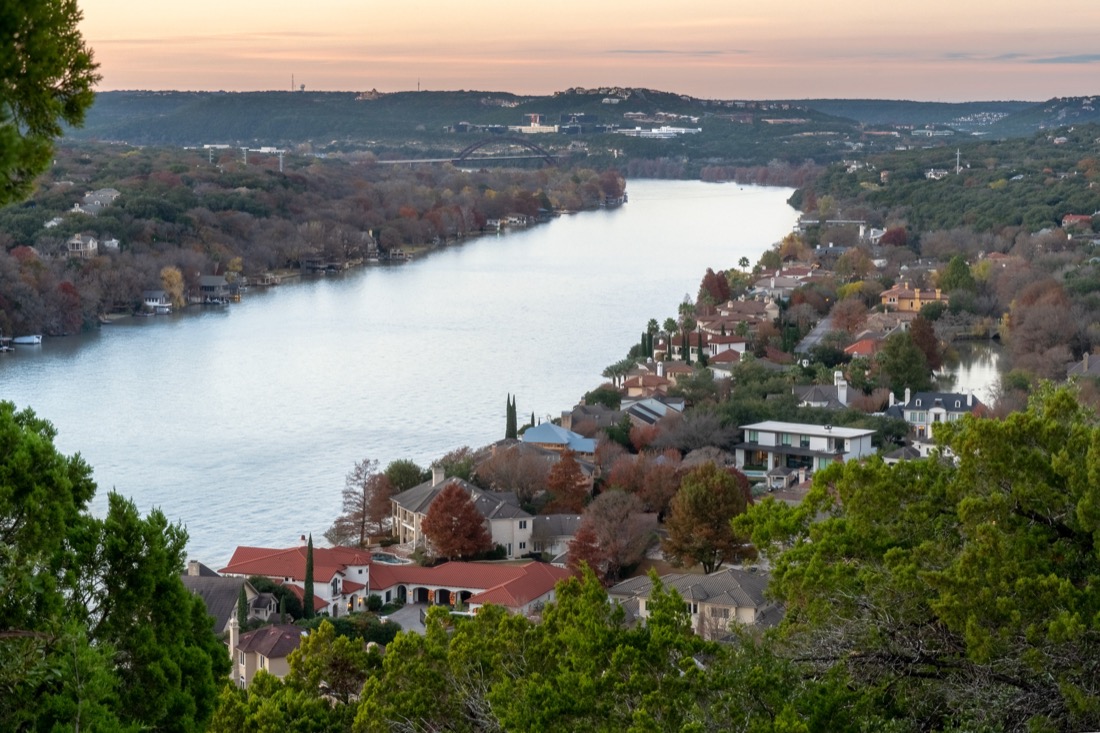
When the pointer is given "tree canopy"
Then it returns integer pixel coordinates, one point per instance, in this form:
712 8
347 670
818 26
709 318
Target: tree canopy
96 628
454 526
962 593
46 73
699 529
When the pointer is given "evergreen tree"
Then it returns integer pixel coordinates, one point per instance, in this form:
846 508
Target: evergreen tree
307 600
242 608
511 430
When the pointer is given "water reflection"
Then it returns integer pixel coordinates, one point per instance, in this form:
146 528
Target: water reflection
971 366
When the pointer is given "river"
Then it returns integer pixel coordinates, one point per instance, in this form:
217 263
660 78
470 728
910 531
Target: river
242 421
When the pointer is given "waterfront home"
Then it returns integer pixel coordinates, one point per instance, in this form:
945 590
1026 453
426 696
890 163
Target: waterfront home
341 575
508 523
83 246
213 289
799 446
554 437
714 602
156 301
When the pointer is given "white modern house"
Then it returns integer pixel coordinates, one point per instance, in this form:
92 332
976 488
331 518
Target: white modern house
798 446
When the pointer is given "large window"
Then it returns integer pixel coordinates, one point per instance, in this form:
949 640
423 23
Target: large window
752 436
756 459
803 441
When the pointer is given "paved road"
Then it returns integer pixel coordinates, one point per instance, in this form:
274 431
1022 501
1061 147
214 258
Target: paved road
813 338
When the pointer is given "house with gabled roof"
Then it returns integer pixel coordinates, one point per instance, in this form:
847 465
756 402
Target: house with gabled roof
924 410
341 575
221 595
508 523
910 300
517 587
714 602
266 648
827 396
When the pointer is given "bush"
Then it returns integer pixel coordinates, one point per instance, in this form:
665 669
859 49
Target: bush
374 603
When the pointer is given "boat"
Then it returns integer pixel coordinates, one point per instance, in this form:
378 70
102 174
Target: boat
27 340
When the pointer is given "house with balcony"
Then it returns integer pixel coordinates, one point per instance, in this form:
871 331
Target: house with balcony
509 525
798 446
83 246
341 575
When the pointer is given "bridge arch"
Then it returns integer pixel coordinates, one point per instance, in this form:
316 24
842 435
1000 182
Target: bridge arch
465 152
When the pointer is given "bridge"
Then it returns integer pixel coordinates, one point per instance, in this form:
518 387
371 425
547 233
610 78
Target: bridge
466 155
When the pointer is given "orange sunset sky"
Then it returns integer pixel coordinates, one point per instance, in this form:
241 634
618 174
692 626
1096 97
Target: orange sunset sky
938 50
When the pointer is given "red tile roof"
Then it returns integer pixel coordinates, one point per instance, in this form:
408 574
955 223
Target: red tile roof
537 580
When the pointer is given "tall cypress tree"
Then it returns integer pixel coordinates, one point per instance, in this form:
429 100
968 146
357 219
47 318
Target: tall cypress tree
307 600
511 429
242 609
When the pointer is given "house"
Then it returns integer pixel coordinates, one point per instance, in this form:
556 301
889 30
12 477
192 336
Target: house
551 533
517 587
648 410
910 300
597 416
555 437
341 575
646 385
509 525
266 649
924 410
83 246
213 289
829 396
799 446
221 595
1085 368
714 602
525 594
1082 221
156 301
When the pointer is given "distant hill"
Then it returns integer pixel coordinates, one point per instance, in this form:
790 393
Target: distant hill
967 116
426 124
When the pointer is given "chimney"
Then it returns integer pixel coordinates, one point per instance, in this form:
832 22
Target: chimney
907 396
660 369
891 402
969 398
842 392
234 639
302 541
838 377
437 475
193 567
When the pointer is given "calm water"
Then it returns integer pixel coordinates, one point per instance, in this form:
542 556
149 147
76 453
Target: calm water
241 422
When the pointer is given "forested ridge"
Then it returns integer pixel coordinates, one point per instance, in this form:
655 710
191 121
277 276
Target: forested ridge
182 214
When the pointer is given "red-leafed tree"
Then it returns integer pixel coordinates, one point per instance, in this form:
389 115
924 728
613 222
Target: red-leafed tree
699 529
567 486
584 549
454 526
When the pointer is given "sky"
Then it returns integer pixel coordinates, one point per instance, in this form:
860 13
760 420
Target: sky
932 50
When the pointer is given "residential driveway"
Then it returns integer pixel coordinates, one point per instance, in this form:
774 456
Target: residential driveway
409 617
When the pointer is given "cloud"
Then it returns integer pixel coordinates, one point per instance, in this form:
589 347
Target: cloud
667 52
1081 58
